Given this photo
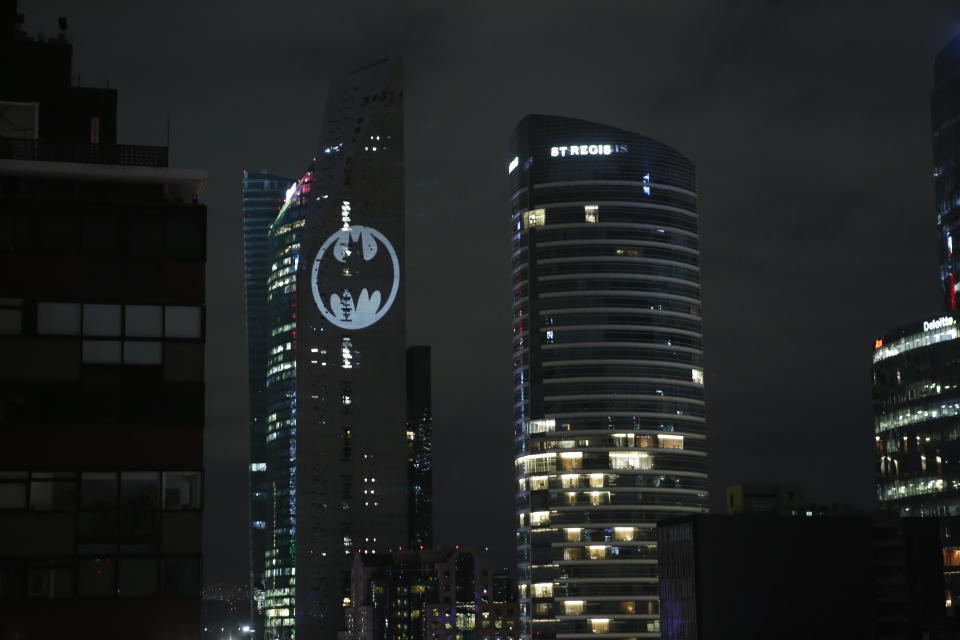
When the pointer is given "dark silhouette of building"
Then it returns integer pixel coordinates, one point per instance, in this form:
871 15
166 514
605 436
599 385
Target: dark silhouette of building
102 252
262 196
347 406
751 576
427 595
608 397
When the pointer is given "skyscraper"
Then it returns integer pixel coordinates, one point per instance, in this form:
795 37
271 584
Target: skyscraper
339 461
608 373
945 111
262 195
102 323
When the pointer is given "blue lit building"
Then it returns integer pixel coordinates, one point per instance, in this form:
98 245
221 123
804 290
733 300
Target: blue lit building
262 196
609 412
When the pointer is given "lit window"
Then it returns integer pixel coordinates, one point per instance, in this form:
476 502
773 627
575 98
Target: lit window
571 460
623 534
697 375
538 482
572 553
630 460
539 518
541 426
669 441
600 625
569 480
597 551
573 607
596 479
573 534
534 218
543 590
591 213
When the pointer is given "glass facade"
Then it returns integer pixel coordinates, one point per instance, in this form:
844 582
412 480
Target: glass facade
916 394
262 196
609 410
284 236
945 108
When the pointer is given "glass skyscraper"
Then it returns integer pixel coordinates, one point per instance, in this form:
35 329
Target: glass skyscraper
945 108
347 464
262 196
608 374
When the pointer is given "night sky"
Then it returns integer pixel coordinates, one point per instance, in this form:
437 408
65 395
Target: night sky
808 122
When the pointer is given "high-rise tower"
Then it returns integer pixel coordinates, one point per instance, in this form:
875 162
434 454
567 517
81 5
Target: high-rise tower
262 196
945 112
339 456
608 373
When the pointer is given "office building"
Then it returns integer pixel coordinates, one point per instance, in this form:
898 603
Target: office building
945 111
347 433
765 575
262 195
102 323
608 372
434 594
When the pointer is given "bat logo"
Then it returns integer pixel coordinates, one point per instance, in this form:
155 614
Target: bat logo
355 277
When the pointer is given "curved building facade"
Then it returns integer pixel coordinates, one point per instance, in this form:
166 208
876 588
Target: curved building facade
609 410
945 112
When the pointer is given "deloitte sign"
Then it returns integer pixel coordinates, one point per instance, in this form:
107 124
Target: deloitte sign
939 323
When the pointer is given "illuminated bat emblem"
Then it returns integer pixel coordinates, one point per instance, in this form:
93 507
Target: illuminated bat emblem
355 277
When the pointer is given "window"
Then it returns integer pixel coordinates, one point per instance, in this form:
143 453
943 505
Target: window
534 218
573 534
600 625
50 582
697 375
181 490
101 351
630 460
570 480
13 495
182 322
571 460
96 577
668 441
591 213
573 607
58 318
539 518
11 317
101 320
137 577
539 482
572 553
142 353
144 321
623 534
597 552
52 492
140 489
596 479
543 590
98 490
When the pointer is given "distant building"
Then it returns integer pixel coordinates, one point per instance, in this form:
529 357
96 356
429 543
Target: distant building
348 463
945 116
751 576
102 324
765 498
608 397
427 595
262 195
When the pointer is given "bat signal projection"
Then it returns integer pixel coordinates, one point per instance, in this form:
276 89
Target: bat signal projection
355 277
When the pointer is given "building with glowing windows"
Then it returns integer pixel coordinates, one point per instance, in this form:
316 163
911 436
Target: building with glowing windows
262 196
348 463
916 393
608 373
945 108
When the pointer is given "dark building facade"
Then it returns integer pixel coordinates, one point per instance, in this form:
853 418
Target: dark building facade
102 253
433 594
347 429
747 576
945 109
916 392
608 374
262 195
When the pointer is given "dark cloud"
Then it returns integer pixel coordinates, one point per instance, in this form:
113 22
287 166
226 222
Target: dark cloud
808 122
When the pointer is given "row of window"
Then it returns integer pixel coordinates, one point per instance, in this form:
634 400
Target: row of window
97 490
101 577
